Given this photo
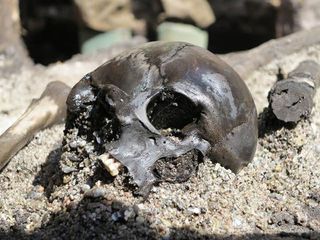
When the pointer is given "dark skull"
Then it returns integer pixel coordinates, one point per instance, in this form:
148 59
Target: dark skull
161 107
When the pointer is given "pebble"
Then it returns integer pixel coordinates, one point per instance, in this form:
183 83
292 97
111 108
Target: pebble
179 205
116 205
116 216
140 220
129 213
73 144
277 196
74 158
282 218
85 187
66 169
95 192
237 222
34 195
194 210
317 148
301 218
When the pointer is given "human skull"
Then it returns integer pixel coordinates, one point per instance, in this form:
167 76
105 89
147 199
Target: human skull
158 109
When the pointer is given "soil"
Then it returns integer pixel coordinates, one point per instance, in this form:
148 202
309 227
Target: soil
277 196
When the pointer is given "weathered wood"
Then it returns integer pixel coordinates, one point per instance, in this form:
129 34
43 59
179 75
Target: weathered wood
292 99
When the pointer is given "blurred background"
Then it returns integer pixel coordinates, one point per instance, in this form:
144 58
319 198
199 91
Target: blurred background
55 30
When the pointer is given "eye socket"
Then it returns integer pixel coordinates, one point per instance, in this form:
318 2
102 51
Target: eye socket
170 109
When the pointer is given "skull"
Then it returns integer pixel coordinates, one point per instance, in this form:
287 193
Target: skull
160 108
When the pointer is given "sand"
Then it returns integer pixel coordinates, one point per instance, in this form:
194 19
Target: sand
277 196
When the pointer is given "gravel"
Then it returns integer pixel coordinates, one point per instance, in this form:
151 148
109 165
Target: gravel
274 197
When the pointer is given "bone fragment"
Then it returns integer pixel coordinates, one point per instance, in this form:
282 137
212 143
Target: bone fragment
49 109
246 62
110 164
292 99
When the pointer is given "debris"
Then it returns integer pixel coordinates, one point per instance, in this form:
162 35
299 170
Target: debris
292 99
117 216
67 169
129 213
96 192
194 210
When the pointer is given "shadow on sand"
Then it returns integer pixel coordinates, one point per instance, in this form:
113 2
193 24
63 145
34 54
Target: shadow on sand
74 224
95 218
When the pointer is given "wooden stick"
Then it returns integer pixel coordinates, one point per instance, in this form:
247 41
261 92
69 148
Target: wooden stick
292 99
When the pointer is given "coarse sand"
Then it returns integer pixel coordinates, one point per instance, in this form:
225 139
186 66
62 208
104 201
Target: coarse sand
276 197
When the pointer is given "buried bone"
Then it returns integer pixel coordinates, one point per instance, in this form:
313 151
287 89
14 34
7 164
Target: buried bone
162 107
291 99
44 112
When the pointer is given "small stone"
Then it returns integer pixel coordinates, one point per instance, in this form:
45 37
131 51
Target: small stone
82 143
282 218
317 148
237 222
117 205
140 220
138 208
301 218
66 179
194 210
33 222
73 144
34 195
277 196
74 158
85 188
96 192
38 140
179 205
278 168
129 213
116 216
66 169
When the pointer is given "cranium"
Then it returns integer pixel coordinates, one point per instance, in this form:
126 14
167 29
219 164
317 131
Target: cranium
161 107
